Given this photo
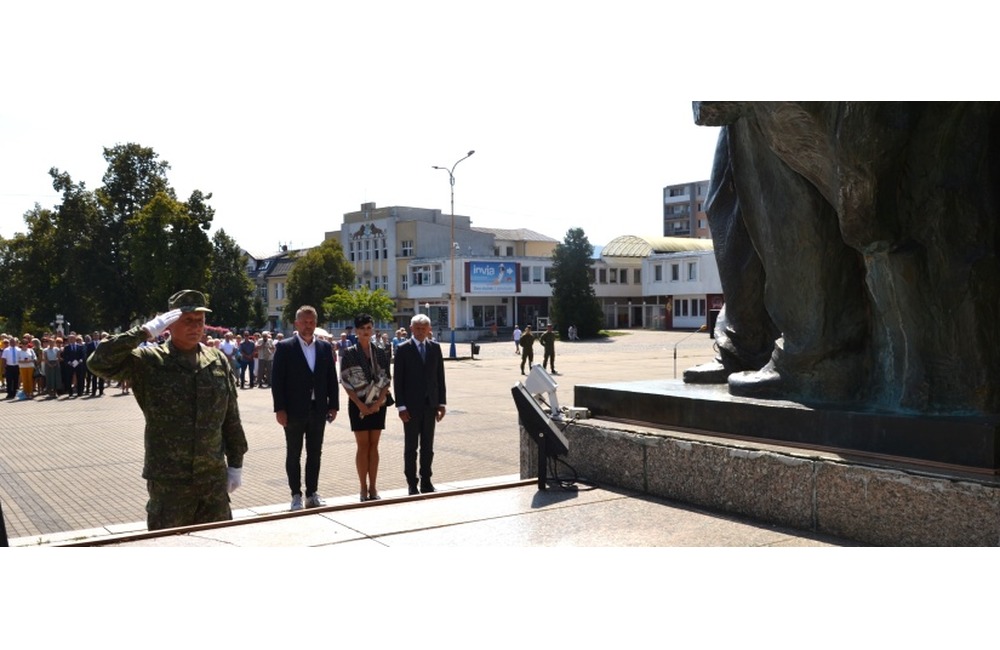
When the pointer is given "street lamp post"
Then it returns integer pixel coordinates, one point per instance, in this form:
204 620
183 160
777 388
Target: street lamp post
451 296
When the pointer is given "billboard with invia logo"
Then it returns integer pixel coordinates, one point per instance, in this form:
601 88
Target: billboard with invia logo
492 277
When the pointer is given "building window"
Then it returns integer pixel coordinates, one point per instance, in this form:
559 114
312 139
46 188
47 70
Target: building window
677 191
548 274
675 272
592 272
614 276
692 271
701 307
406 248
602 276
351 251
403 282
496 251
525 274
510 251
658 272
536 274
385 250
484 315
438 274
420 275
624 275
385 282
637 276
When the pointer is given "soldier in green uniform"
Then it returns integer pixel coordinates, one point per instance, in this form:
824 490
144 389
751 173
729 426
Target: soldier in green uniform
548 341
527 348
194 439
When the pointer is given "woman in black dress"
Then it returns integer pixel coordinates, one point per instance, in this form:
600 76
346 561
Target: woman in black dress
365 375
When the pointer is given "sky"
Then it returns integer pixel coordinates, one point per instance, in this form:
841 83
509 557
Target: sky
292 114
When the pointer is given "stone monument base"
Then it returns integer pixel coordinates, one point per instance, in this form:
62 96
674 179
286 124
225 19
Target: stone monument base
871 495
965 443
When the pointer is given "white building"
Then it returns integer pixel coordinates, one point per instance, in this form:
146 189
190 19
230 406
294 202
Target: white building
657 282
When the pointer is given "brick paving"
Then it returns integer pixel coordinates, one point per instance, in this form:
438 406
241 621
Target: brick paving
75 464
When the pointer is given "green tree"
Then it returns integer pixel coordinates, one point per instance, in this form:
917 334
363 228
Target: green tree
19 258
46 268
314 276
134 176
345 304
169 251
232 291
258 315
77 243
108 257
30 269
573 299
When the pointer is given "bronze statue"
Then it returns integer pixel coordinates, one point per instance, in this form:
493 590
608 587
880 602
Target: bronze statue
857 245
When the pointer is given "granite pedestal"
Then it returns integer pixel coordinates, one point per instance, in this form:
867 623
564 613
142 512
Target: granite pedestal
787 464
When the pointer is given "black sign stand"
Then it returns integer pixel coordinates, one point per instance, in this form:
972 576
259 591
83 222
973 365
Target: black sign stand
3 528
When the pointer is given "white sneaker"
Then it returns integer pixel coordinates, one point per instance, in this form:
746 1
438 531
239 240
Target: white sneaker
315 501
296 502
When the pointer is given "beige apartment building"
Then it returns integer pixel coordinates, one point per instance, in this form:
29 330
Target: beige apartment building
460 276
684 210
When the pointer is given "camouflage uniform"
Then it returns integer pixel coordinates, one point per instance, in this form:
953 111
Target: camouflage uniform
527 349
548 341
192 425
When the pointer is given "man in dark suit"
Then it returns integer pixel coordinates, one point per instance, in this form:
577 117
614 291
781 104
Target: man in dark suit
75 357
418 381
94 383
306 396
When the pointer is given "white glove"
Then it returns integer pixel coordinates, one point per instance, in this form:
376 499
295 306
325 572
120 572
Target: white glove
160 324
234 476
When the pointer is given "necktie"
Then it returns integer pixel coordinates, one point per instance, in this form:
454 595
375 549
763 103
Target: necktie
423 354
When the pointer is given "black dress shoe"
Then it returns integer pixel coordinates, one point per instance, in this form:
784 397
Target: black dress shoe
414 490
427 488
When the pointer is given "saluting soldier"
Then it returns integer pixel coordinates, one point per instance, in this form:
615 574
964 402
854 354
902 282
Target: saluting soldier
194 440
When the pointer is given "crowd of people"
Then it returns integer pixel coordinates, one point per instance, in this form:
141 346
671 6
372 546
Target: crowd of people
55 364
50 366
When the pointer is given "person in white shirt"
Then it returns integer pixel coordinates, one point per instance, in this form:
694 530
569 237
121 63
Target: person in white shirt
12 372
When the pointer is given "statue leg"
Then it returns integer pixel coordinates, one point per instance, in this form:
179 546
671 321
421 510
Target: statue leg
744 332
814 290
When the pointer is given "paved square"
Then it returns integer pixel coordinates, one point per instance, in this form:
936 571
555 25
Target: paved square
74 464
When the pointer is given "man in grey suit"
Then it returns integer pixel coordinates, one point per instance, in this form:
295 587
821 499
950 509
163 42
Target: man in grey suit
306 396
418 381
